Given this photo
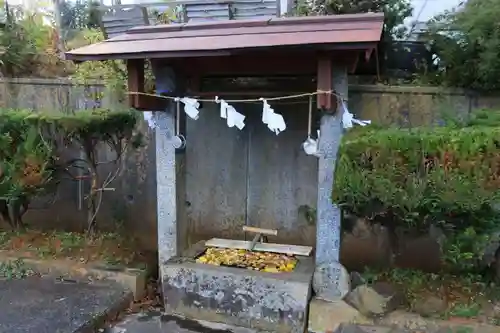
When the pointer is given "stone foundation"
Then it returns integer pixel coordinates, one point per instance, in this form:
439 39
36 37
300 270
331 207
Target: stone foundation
276 302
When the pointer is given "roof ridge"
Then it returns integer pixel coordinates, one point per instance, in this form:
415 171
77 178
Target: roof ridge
257 22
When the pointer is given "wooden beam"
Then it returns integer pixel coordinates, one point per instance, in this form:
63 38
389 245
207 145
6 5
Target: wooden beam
250 65
256 63
324 81
135 70
149 103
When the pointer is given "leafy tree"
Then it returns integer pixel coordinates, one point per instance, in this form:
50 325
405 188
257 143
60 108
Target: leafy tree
396 11
29 46
112 72
78 16
467 44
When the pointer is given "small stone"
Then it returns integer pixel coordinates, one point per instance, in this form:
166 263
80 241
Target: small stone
405 320
366 300
430 305
376 300
331 281
356 279
394 295
328 316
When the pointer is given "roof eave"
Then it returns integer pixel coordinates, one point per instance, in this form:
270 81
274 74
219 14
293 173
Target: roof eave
80 57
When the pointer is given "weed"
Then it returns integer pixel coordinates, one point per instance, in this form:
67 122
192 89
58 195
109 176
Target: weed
70 240
464 294
44 252
464 329
14 270
4 238
463 310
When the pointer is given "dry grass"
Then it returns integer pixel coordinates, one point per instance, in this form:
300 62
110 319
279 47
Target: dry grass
106 248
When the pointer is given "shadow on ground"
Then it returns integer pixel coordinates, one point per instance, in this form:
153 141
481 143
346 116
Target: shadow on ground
48 305
156 322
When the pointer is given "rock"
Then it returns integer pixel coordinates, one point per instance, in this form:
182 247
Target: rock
331 281
394 295
491 254
375 300
359 250
327 316
418 252
356 280
366 300
430 306
404 320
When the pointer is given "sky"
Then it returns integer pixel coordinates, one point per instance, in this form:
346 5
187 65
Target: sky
423 10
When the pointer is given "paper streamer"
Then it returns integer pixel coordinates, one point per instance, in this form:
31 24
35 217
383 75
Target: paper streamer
228 112
348 118
274 121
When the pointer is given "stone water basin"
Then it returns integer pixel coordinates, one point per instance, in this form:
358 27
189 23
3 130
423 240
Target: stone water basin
274 301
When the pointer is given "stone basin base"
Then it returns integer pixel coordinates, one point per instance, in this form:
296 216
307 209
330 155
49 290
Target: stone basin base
275 302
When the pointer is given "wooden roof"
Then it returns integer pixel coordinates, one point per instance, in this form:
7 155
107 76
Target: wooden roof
347 32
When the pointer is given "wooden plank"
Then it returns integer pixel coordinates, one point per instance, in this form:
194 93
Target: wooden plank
272 232
149 103
262 247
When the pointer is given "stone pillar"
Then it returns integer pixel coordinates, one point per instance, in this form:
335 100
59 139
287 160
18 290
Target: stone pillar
166 177
166 185
330 277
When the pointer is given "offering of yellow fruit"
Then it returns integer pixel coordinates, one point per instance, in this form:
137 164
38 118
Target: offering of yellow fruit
258 261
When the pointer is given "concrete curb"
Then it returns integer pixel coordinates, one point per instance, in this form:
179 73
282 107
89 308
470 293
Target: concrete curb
110 314
133 279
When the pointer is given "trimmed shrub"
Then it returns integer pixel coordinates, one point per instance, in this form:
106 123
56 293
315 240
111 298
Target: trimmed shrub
30 145
415 178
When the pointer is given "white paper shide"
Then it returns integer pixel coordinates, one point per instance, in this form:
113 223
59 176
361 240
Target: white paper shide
274 121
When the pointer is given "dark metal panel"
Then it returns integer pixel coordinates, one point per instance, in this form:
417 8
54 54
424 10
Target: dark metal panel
247 9
281 177
207 12
117 21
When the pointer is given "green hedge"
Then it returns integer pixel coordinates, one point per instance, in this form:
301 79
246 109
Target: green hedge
414 178
419 175
29 142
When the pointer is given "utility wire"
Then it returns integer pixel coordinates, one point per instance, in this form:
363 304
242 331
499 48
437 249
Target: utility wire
415 22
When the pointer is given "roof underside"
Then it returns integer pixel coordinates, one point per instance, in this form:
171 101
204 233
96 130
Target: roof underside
228 37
